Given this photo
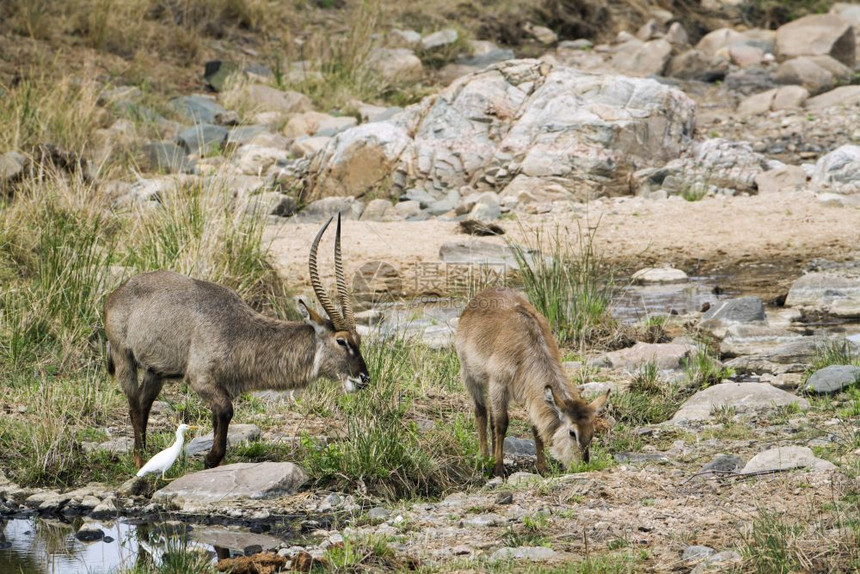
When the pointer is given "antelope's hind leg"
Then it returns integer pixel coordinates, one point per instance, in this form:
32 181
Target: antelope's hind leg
126 375
149 389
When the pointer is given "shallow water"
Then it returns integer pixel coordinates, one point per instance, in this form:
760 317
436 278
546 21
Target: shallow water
48 546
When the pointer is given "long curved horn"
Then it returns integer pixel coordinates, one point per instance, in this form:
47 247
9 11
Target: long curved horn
342 293
320 292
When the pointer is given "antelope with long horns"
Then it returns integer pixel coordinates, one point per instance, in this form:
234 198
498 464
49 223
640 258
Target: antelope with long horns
169 326
507 352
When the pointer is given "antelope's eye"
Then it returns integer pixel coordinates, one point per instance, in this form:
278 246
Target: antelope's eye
341 342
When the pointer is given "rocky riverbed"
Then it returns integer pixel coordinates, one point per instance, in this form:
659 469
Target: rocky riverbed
734 158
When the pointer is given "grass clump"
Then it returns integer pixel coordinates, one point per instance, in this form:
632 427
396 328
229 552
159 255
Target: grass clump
649 399
569 284
703 369
380 450
831 352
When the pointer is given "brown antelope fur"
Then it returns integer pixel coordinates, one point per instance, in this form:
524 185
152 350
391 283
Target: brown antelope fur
169 326
507 352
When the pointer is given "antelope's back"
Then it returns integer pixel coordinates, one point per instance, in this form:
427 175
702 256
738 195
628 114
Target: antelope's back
156 316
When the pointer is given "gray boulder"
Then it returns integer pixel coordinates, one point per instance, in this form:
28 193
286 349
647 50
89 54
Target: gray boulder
232 482
202 138
743 397
832 379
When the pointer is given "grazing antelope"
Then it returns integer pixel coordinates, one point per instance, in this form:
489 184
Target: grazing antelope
171 326
507 352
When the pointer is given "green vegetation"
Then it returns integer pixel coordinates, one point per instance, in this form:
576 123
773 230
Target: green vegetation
380 447
62 249
831 352
569 283
703 369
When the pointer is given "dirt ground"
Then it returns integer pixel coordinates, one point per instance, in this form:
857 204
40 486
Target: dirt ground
776 234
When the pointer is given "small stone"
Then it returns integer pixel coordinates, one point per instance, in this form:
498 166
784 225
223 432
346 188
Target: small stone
439 39
786 458
89 533
659 275
378 513
533 553
505 498
697 552
723 463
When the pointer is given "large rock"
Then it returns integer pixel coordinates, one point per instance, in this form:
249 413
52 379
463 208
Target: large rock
752 338
648 59
832 379
833 292
744 397
664 355
786 458
815 74
583 131
697 65
357 160
718 165
817 35
727 312
838 170
241 481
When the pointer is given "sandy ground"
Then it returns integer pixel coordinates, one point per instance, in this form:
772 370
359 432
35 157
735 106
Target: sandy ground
776 234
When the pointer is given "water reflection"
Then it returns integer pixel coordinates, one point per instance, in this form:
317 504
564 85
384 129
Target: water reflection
48 546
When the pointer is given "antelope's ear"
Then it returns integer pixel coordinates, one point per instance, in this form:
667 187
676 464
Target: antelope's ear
550 400
311 317
600 402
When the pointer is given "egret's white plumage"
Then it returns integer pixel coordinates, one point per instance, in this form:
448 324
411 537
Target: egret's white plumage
165 459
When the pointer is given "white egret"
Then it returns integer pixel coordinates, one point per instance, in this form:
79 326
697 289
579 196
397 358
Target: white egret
165 459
